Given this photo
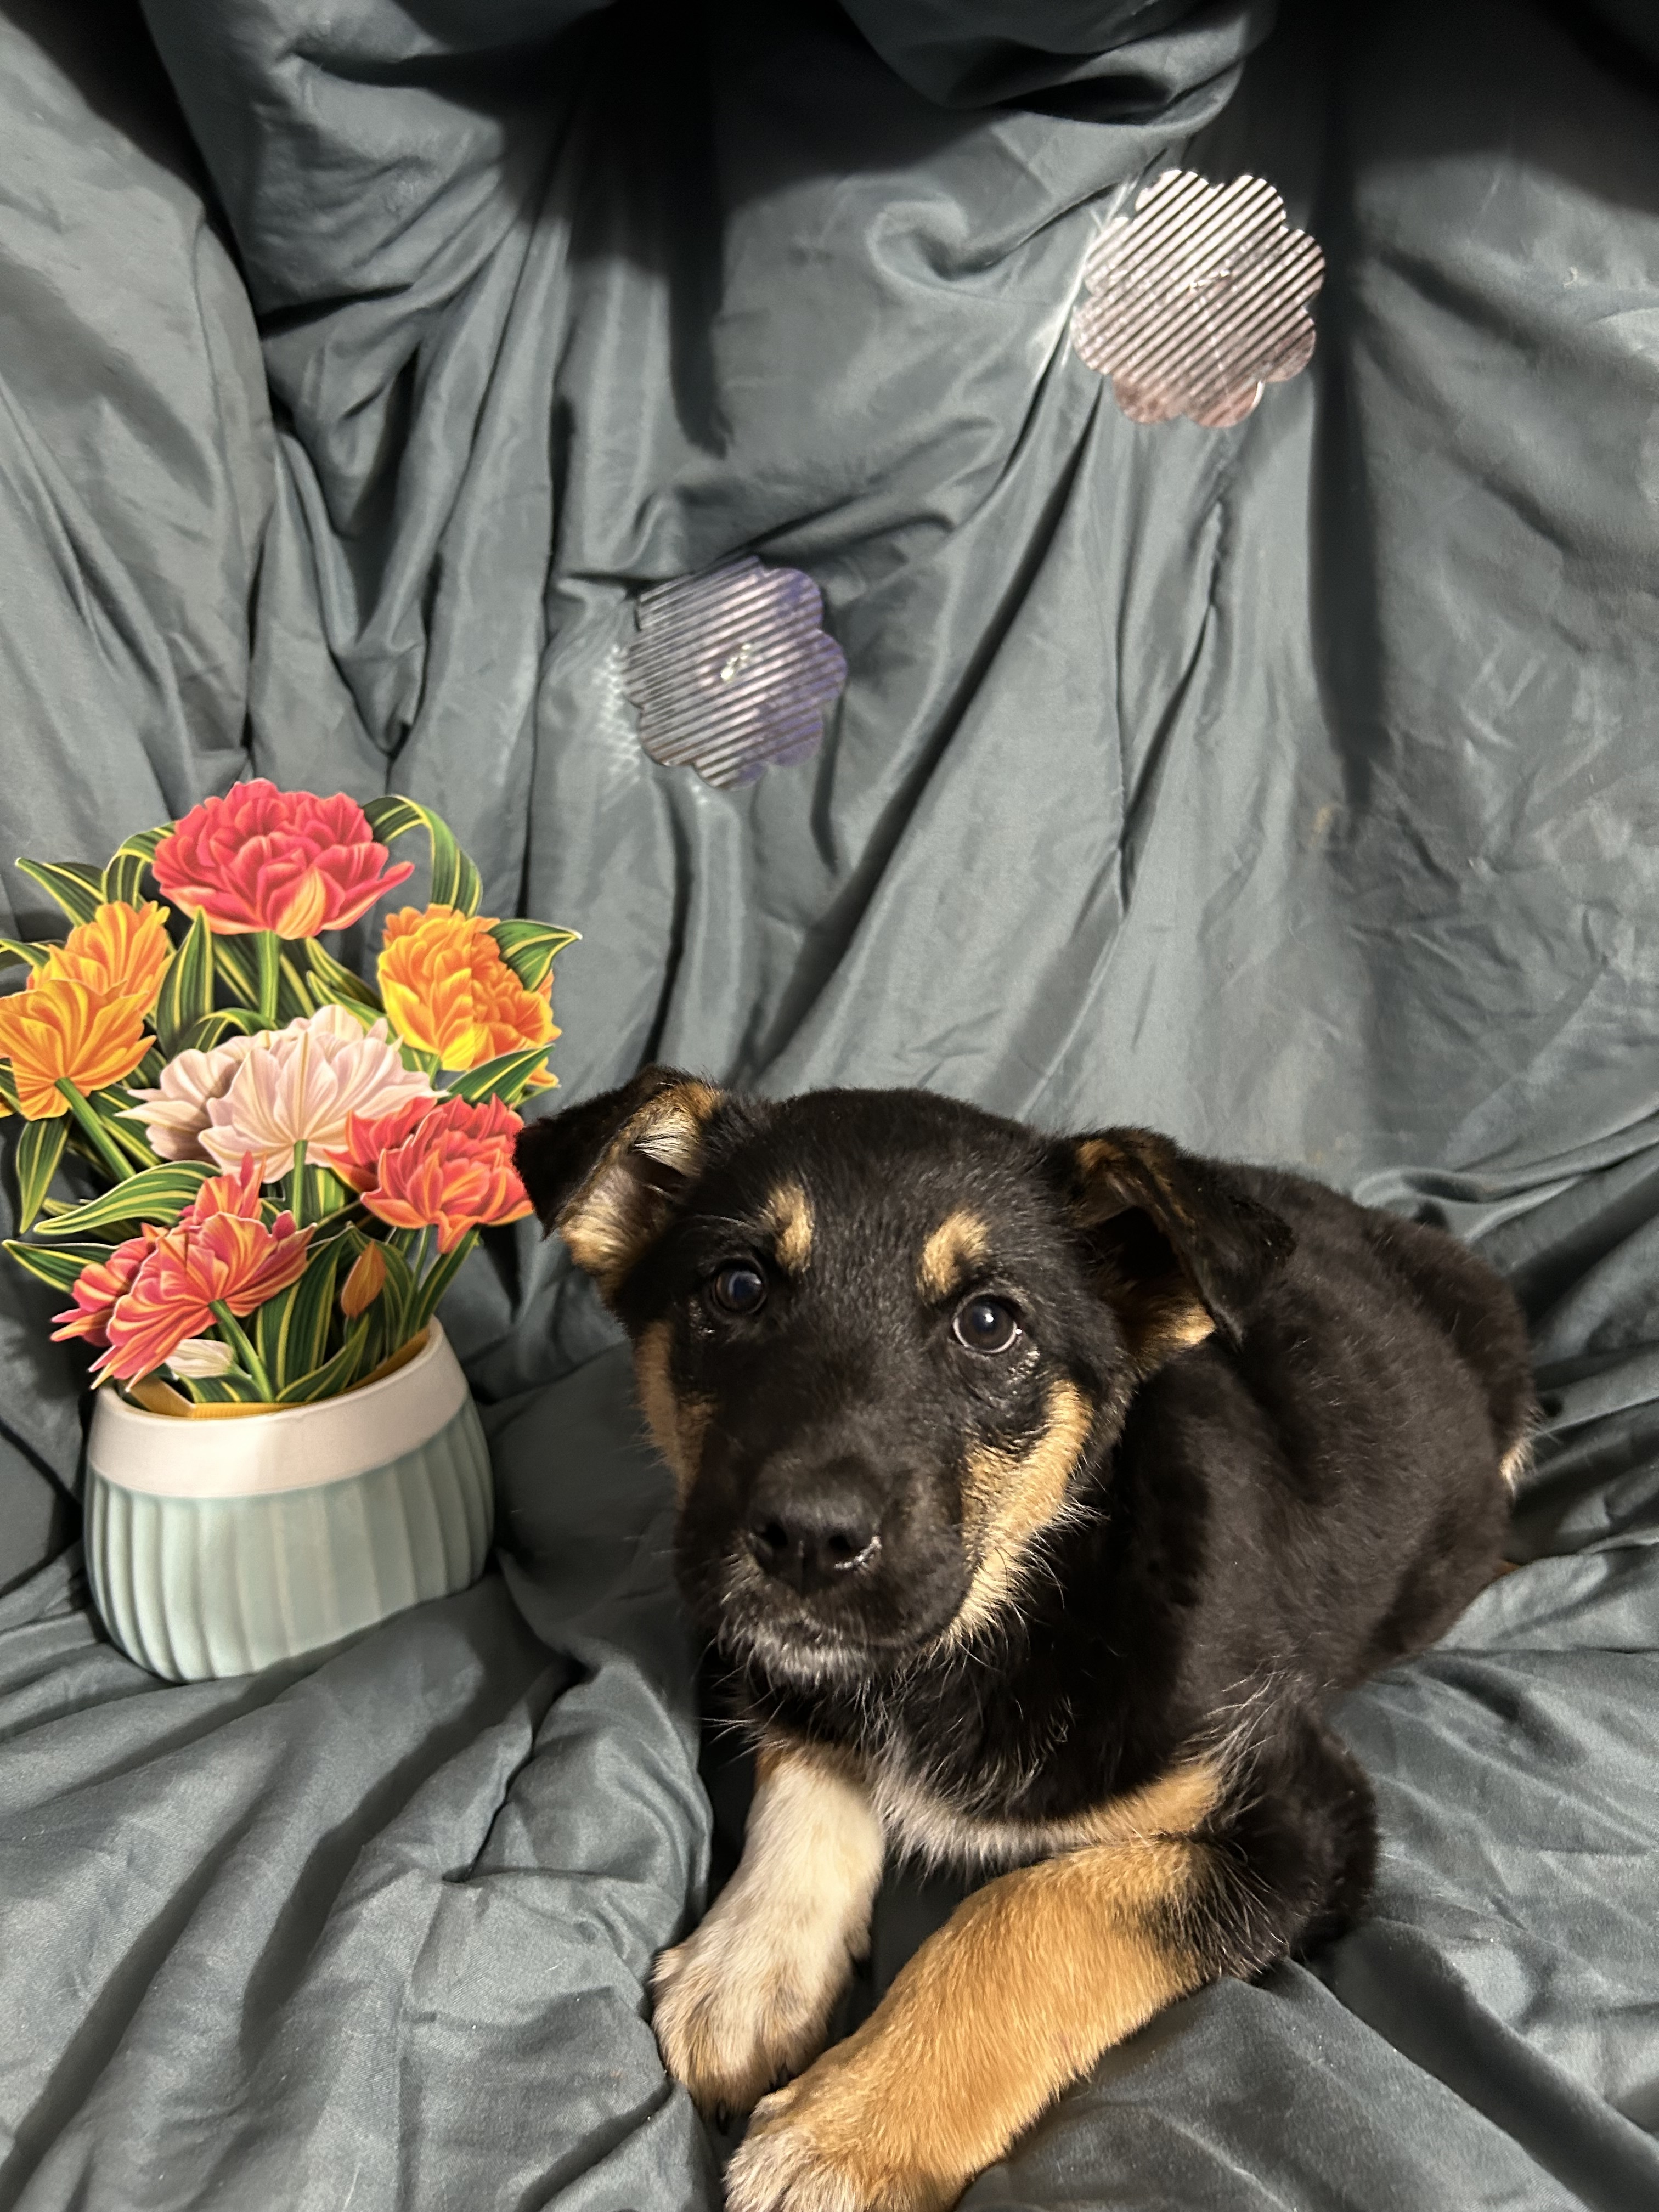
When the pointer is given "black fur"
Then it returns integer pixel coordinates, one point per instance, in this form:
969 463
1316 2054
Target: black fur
1255 1522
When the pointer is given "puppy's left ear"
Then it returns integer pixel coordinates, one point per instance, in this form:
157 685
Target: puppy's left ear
1182 1248
608 1174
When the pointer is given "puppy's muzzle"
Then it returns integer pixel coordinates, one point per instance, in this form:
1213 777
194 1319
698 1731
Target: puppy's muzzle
813 1530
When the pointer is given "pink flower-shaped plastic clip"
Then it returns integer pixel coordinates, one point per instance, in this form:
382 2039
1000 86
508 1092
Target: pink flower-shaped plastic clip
732 672
1198 300
286 860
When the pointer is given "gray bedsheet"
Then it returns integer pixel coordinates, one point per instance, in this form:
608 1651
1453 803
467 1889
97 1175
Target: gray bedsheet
1293 787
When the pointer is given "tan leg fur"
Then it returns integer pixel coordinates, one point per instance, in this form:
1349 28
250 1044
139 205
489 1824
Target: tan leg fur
1031 1979
748 1997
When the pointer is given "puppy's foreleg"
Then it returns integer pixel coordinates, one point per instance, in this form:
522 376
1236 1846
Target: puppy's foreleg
1031 1979
748 1997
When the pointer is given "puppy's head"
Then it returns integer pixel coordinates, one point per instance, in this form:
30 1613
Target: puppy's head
884 1340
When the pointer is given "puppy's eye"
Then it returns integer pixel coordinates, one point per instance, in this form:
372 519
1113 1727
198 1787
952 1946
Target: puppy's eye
983 1324
739 1287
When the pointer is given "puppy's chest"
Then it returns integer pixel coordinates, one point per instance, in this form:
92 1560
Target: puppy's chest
975 1794
946 1827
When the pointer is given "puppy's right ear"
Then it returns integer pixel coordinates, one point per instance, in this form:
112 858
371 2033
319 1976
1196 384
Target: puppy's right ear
608 1174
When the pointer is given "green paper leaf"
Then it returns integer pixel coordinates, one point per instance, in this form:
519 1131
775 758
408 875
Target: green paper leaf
14 949
79 892
269 1326
503 1078
213 1029
335 1375
159 1196
530 948
397 1296
40 1148
426 1298
332 980
56 1265
312 1314
109 1105
222 1389
294 994
124 878
455 881
229 961
188 993
330 1196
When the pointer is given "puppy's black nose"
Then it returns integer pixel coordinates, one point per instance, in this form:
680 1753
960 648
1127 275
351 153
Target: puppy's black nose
811 1537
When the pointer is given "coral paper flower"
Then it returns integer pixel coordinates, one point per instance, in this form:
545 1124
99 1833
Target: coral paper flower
450 1168
302 1084
59 1029
448 991
97 1286
122 952
237 1191
286 860
224 1259
102 1283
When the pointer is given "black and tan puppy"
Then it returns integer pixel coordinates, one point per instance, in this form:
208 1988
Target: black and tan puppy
1039 1494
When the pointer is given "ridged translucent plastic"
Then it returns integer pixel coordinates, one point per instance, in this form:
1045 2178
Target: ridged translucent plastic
194 1587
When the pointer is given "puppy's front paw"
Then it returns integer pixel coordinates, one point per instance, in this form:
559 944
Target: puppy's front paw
742 2003
834 2143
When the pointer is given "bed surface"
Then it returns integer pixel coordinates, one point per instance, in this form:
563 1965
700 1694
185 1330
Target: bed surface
1290 787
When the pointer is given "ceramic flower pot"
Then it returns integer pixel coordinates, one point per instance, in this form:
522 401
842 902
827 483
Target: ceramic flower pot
236 1538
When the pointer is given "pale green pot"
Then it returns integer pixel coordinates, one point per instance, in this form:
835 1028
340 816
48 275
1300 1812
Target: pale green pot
219 1547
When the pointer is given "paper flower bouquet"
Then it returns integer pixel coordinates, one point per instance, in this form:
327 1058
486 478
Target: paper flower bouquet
299 1158
296 1158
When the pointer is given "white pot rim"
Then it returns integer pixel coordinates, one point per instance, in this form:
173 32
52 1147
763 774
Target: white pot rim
293 1447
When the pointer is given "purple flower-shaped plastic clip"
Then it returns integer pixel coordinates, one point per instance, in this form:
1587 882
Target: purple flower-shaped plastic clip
1198 300
730 671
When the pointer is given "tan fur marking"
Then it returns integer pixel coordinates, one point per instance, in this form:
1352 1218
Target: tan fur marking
951 1254
1007 1501
1516 1460
788 1221
1157 1324
1158 1318
749 1996
1028 1982
615 1214
921 1822
676 1423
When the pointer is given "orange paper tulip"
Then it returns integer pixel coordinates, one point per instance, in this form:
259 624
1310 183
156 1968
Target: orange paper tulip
59 1030
365 1283
448 991
122 952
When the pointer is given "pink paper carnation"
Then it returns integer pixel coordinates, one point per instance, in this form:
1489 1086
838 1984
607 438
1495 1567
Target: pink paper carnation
286 860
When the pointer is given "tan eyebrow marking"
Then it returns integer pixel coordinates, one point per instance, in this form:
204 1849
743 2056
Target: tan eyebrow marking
956 1248
788 1217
